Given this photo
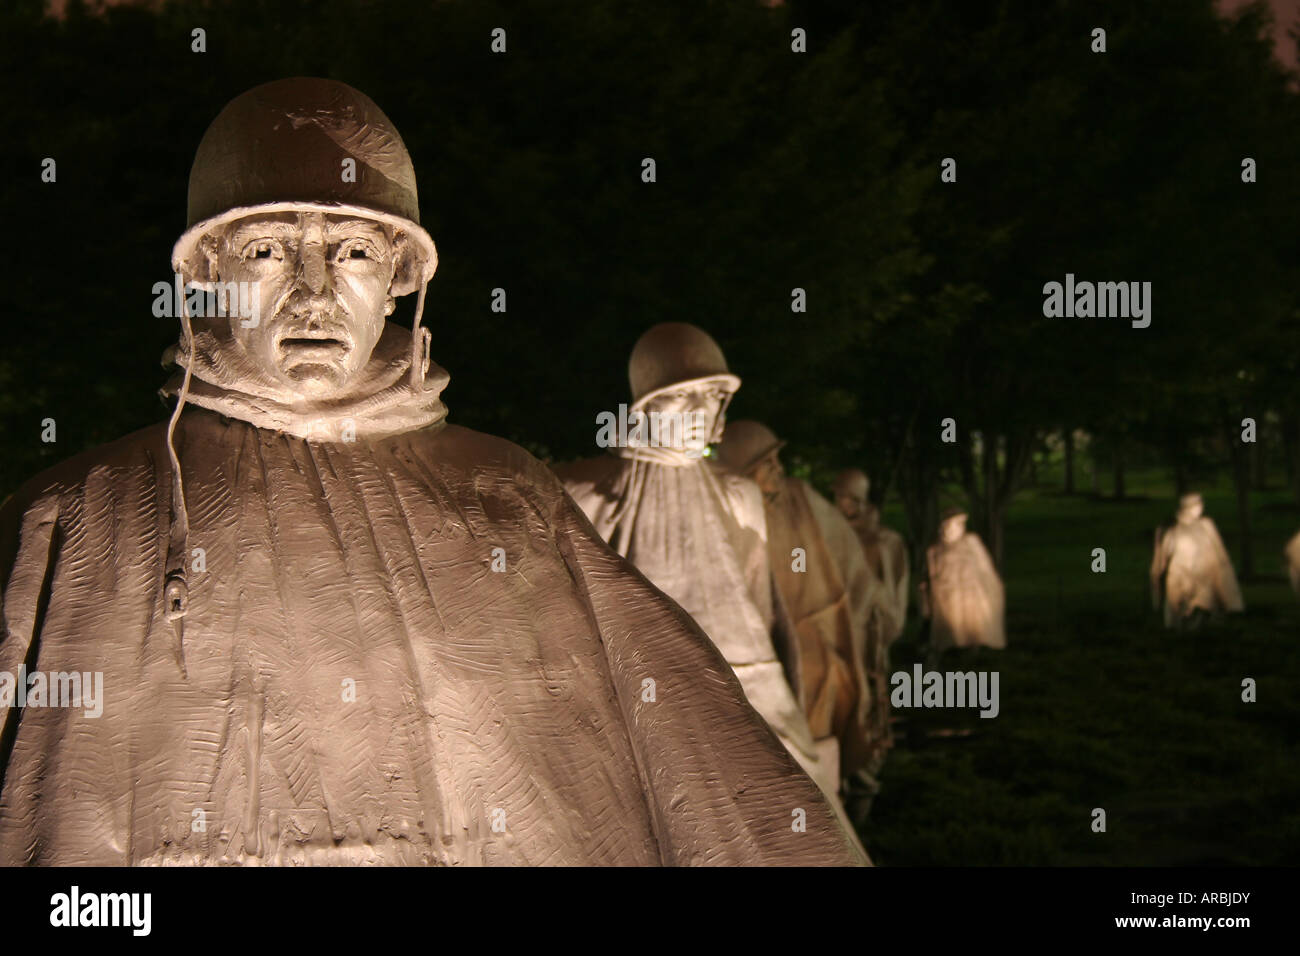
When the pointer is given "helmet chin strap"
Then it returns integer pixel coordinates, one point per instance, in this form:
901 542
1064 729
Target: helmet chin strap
175 589
720 423
420 339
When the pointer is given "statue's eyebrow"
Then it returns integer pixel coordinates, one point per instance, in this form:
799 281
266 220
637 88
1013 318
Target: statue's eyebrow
365 227
261 230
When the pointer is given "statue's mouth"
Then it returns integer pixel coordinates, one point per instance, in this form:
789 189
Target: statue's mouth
295 343
308 347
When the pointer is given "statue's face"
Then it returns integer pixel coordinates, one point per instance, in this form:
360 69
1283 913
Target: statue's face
695 410
952 530
850 504
322 289
870 516
851 490
1191 511
768 474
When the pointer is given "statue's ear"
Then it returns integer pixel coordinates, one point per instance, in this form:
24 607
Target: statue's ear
201 265
408 271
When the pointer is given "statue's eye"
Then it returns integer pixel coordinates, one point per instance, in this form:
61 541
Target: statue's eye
262 249
357 249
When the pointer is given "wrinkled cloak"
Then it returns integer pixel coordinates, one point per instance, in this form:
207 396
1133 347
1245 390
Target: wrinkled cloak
886 554
967 600
1197 570
824 593
358 680
698 532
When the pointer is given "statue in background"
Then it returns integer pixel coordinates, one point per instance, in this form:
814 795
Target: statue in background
694 529
885 548
824 593
331 627
962 595
1191 569
1292 553
887 560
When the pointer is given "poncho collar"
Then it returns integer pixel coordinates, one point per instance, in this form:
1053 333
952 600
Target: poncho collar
658 455
382 401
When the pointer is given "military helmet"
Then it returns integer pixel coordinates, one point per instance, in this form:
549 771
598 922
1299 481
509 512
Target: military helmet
282 147
745 444
675 355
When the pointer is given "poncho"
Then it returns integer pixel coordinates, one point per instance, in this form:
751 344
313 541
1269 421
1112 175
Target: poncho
1197 571
967 600
411 648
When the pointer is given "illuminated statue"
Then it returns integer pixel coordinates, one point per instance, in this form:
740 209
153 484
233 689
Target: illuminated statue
331 627
824 593
885 548
693 528
1192 562
887 560
963 596
1293 562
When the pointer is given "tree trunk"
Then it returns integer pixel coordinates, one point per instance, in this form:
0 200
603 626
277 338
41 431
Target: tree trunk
1293 459
1291 453
1000 485
918 486
990 492
1241 480
1068 437
996 535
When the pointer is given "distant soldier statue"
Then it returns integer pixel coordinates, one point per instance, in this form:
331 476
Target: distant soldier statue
693 528
885 548
824 593
1191 570
962 595
1292 553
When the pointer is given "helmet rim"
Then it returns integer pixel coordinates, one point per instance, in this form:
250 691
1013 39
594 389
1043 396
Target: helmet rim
187 245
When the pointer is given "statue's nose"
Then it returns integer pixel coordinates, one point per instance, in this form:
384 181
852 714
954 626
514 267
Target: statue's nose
315 270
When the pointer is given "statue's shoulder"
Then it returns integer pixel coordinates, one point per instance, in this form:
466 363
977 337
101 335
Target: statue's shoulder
821 506
141 452
454 447
732 482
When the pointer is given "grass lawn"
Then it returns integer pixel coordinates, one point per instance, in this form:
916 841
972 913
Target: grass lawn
1101 707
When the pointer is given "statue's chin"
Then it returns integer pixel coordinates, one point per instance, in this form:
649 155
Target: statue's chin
313 381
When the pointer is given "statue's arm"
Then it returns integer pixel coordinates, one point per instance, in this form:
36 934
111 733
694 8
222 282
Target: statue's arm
27 545
1159 563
